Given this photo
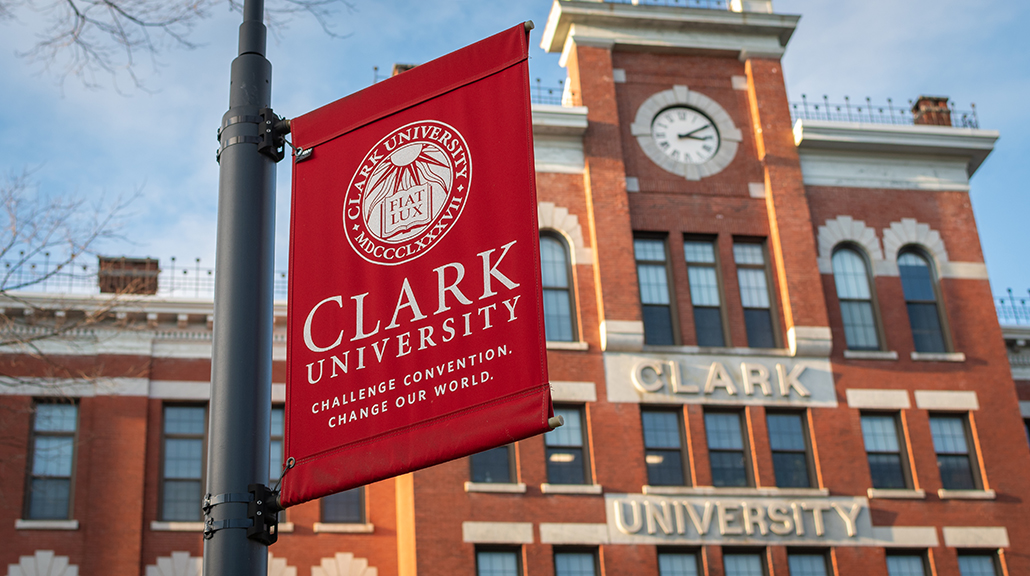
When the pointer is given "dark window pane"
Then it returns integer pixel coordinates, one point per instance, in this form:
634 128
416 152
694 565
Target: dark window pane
184 419
905 565
654 285
492 465
786 432
664 467
497 564
49 499
791 469
56 417
670 564
728 468
758 322
181 500
976 565
573 564
708 324
571 433
807 564
723 431
859 325
886 471
661 429
926 327
565 466
916 278
658 325
956 473
742 564
52 456
557 315
344 507
704 286
553 263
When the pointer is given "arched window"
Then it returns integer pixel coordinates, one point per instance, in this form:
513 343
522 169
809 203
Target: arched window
559 322
851 275
919 285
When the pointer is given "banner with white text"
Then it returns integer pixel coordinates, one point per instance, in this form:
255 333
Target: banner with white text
416 329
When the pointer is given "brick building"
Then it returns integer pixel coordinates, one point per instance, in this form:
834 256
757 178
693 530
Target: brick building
770 333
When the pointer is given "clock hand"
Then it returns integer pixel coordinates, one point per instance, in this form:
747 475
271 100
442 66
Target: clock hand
692 137
695 131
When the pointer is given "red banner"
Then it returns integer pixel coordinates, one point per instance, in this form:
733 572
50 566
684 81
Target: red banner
416 329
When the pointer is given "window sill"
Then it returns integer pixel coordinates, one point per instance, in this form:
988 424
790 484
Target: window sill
570 488
938 357
896 494
286 527
945 494
341 528
717 350
496 487
870 354
578 346
46 524
157 526
743 491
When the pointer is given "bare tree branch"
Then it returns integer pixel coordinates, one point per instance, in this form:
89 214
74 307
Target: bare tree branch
97 39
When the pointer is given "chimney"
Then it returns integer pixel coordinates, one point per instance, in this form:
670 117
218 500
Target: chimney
128 275
398 68
931 111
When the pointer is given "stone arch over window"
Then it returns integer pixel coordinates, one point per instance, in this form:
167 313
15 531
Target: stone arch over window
178 564
910 232
559 219
344 563
845 229
43 563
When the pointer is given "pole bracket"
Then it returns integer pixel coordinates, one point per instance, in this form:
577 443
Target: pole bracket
262 521
272 130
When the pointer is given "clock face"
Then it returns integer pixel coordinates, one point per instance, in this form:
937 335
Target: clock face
685 135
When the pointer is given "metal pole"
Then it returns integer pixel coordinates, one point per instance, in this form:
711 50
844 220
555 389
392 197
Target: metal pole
241 357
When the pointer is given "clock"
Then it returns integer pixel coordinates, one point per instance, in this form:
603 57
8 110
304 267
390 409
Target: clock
686 133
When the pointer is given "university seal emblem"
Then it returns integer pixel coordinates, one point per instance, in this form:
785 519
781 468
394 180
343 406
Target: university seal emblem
408 192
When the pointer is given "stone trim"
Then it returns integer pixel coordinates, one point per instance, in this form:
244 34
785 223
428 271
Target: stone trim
496 487
1024 409
158 526
622 335
581 534
342 528
938 357
907 536
745 492
588 489
945 494
845 229
946 400
896 494
559 219
809 341
871 398
910 231
344 563
579 392
632 184
756 189
20 524
738 82
870 355
976 537
497 532
569 346
43 563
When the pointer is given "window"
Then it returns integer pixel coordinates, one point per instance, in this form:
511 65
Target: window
677 564
886 463
807 564
789 444
917 282
705 293
53 457
566 461
559 324
851 275
183 464
275 452
497 563
743 564
493 465
346 507
754 294
951 443
656 306
574 564
906 565
726 449
663 452
977 565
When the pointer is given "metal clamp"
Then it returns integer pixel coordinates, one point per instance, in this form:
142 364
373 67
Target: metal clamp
212 500
262 521
271 130
212 526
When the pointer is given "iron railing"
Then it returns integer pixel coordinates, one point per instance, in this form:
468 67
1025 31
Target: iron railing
1013 310
706 4
176 279
866 111
558 96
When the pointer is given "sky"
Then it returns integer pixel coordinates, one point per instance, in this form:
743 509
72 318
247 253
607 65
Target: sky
103 143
